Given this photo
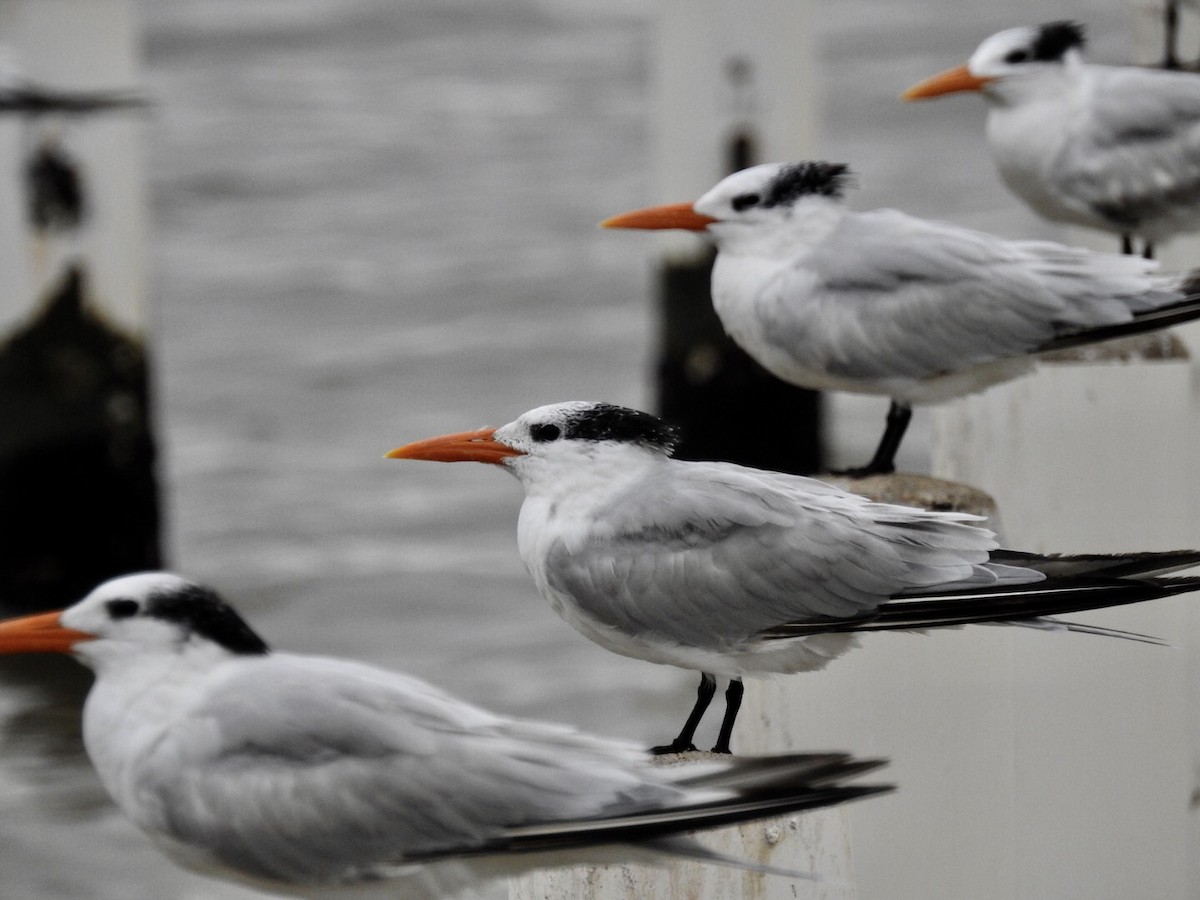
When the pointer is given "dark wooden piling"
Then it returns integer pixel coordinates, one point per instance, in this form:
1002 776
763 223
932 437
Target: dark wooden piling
78 500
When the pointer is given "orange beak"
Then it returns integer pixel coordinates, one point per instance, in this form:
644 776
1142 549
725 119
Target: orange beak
657 218
949 82
464 446
40 633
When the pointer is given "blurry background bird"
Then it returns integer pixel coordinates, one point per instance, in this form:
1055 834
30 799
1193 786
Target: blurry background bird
882 302
1109 147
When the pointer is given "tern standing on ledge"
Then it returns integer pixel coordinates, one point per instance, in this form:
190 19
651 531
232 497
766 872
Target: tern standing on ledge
324 778
881 302
1110 147
734 571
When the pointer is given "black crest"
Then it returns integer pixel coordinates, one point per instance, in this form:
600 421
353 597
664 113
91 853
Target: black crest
1055 38
606 422
820 178
203 612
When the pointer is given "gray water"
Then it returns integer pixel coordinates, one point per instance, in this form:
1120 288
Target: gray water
373 222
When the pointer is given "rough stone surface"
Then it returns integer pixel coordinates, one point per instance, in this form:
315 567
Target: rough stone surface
908 489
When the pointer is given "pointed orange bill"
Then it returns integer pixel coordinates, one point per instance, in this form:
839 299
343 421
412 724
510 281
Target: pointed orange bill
40 633
949 82
672 215
464 446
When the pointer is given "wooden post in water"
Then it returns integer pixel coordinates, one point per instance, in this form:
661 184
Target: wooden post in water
735 86
78 501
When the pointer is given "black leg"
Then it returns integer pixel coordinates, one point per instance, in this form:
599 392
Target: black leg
1170 31
1148 250
733 702
884 461
704 695
1127 244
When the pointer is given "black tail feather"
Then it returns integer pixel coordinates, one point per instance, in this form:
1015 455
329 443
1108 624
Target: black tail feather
1184 310
779 785
796 768
1006 603
1123 565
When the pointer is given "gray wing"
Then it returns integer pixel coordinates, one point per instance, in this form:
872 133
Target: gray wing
315 770
709 555
1137 154
1130 104
895 296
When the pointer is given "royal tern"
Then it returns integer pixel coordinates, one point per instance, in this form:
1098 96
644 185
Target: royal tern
1109 147
316 777
881 302
737 572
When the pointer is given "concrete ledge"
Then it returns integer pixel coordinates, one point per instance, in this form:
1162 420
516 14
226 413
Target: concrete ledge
908 489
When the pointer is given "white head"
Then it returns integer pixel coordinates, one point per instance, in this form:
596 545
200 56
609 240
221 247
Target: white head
130 616
771 194
1028 50
1013 63
768 200
560 434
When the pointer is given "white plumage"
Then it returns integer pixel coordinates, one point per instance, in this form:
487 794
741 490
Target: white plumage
881 302
1109 147
320 777
735 571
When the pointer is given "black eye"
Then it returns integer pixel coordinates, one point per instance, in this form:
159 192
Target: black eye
543 433
121 609
1017 56
745 201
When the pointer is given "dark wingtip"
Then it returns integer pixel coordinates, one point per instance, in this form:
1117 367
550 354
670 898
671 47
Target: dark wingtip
757 788
1112 565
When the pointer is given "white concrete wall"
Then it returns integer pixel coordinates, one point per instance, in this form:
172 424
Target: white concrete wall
1101 758
1100 754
